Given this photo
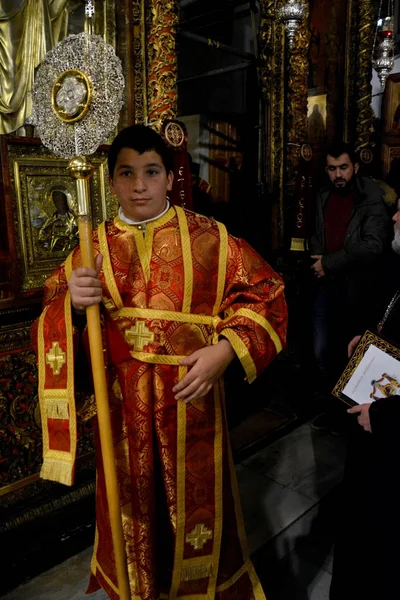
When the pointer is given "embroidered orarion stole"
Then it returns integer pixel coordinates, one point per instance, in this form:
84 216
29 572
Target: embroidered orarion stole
166 294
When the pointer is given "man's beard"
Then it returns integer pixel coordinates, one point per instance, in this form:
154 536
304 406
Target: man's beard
396 241
343 189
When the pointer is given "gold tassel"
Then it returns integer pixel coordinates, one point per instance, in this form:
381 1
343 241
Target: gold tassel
56 408
57 470
196 572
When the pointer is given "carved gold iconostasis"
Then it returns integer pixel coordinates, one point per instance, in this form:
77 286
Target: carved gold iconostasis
38 230
330 61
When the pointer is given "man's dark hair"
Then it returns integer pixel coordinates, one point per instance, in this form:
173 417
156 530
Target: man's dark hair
142 139
338 148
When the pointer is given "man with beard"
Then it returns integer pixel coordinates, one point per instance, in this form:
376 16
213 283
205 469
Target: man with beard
351 237
367 551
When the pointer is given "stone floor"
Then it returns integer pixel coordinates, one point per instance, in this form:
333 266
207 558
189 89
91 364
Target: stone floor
289 492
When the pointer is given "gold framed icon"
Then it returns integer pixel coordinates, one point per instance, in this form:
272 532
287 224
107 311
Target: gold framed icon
43 204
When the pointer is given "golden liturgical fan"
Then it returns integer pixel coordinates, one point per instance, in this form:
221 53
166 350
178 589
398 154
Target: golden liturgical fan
77 96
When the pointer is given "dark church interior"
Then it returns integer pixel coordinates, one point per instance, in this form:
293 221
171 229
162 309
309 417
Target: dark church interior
258 96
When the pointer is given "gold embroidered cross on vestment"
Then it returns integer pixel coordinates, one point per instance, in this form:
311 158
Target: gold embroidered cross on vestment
56 358
139 335
198 537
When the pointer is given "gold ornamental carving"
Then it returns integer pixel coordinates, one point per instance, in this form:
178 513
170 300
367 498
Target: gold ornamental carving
297 93
162 64
351 72
306 152
174 135
139 61
272 76
365 115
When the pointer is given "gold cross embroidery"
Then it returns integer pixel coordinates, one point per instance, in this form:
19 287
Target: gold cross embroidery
56 358
139 335
198 537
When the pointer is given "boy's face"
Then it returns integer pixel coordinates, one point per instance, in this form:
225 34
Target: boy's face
140 183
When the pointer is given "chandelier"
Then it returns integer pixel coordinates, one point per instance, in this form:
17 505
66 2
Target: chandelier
291 15
384 64
383 58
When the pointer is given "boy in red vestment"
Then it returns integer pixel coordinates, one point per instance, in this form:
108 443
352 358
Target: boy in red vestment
180 299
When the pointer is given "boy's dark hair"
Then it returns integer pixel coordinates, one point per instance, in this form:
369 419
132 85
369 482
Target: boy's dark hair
142 139
338 148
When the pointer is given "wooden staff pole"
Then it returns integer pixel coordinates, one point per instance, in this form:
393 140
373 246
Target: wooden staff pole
81 170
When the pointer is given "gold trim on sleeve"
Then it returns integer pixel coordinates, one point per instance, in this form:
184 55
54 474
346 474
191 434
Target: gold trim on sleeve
144 257
250 314
242 353
157 359
68 265
187 259
223 258
107 266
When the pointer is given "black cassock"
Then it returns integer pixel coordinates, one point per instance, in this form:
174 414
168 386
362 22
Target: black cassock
366 562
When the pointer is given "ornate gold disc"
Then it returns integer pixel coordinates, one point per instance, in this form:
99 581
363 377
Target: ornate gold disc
174 134
71 95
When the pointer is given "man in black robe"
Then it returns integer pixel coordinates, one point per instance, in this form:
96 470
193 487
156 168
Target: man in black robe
367 549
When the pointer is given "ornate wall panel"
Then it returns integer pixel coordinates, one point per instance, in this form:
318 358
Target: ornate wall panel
364 112
297 93
353 19
272 75
139 61
162 20
349 38
105 21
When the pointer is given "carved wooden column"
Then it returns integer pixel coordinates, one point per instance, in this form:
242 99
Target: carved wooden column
139 61
296 102
286 109
365 115
162 64
272 76
296 132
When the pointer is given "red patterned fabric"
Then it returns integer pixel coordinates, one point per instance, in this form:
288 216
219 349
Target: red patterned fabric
157 453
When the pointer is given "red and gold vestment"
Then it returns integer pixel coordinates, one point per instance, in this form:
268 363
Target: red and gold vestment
166 293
